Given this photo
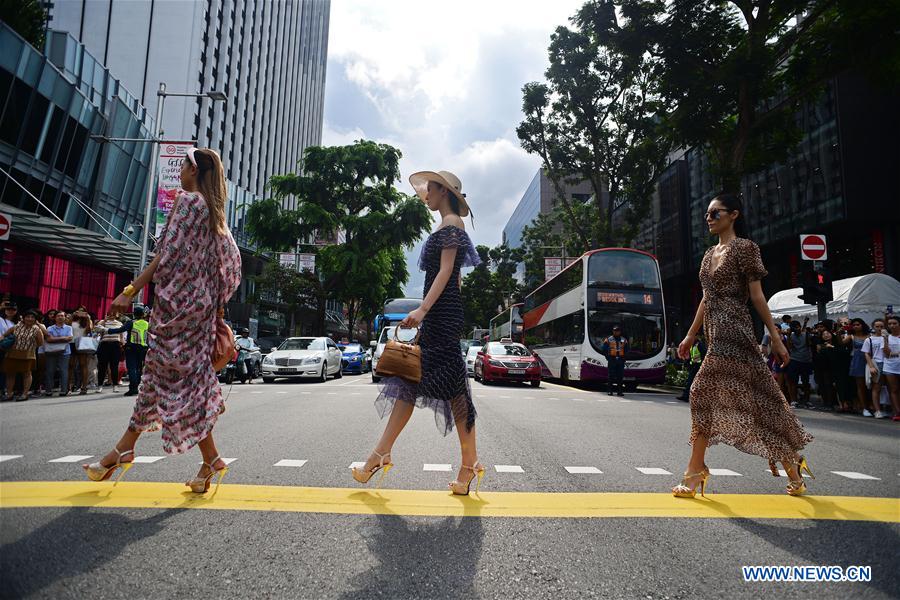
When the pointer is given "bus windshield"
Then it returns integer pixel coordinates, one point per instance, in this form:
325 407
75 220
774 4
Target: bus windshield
622 269
624 290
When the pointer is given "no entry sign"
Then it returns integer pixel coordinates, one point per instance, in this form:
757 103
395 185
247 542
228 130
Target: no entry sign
5 226
812 247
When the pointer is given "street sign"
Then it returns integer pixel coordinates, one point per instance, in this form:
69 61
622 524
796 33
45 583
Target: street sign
812 247
306 262
171 157
5 226
287 259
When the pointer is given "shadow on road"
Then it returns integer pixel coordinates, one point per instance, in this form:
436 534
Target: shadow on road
76 542
420 557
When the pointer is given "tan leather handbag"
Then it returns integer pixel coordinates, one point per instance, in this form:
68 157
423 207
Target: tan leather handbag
401 359
223 346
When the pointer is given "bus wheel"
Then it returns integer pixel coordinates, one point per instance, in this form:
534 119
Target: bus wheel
564 373
536 383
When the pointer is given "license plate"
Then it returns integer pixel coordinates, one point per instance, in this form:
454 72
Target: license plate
287 370
516 371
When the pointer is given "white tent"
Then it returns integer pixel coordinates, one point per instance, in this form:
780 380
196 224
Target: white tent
865 297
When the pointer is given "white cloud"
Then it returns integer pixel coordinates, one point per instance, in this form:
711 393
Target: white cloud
442 82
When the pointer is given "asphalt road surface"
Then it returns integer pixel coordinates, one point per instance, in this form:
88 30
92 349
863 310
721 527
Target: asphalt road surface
575 503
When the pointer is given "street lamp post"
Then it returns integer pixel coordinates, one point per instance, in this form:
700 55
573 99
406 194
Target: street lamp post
216 96
156 140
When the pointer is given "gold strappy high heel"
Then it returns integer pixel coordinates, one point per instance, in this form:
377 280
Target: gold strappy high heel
364 476
798 488
682 490
97 472
200 485
460 489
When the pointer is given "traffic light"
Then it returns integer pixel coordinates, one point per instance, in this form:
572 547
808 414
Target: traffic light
816 287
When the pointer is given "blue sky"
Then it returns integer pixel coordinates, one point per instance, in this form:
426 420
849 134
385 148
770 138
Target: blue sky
442 82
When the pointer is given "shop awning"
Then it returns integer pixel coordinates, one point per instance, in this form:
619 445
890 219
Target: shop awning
69 241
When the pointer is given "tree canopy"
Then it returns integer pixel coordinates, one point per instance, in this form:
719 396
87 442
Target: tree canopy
345 194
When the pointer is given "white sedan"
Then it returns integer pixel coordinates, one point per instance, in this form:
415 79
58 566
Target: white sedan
298 357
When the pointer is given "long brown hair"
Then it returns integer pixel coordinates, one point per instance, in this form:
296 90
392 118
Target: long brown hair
211 184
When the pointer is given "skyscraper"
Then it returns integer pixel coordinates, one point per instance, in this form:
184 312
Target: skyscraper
268 58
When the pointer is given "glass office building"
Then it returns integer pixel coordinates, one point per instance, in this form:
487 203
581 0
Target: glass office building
72 198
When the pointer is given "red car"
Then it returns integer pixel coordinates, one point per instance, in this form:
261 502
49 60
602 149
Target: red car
507 361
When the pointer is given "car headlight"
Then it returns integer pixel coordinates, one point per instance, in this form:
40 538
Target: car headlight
268 360
495 363
312 360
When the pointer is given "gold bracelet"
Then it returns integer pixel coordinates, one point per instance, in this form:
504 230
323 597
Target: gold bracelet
129 291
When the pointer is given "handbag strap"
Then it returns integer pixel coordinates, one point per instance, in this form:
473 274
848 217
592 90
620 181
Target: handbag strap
414 341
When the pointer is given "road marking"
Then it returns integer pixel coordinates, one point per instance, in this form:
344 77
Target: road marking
357 465
4 457
552 398
725 472
528 398
148 459
577 399
364 501
505 397
855 475
436 467
306 392
332 393
290 462
257 392
671 402
72 458
652 471
281 392
583 470
624 400
602 399
509 469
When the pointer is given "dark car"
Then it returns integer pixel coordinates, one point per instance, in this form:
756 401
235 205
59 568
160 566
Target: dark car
507 361
267 344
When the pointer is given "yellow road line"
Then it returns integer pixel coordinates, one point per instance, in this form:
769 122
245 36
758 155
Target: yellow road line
363 501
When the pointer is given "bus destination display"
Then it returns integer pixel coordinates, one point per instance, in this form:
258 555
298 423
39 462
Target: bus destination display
626 297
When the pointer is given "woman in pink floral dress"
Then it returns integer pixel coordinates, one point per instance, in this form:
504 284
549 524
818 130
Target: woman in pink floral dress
196 270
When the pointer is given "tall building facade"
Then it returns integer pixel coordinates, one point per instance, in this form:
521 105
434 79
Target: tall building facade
269 58
841 180
99 74
539 198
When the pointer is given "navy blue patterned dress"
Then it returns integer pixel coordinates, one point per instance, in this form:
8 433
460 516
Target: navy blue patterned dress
445 386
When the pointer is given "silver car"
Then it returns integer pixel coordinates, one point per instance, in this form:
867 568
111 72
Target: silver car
303 357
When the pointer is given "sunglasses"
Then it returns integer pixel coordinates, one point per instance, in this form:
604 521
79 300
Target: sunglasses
714 214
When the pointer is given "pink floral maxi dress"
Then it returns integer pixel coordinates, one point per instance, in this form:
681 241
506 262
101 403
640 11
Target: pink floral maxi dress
198 272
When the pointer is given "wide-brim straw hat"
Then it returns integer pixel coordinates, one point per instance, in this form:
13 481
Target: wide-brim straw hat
447 179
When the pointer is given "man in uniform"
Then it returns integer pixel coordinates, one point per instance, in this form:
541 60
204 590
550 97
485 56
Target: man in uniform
614 348
135 347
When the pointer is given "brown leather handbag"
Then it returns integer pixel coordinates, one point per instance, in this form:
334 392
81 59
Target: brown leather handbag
401 359
223 346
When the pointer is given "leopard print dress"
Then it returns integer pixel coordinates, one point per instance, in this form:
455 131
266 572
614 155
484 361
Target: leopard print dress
734 399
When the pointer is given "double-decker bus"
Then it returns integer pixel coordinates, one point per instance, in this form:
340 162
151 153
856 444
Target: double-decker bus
568 318
508 324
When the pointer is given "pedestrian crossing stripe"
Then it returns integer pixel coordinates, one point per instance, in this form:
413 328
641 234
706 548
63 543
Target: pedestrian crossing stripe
74 458
367 501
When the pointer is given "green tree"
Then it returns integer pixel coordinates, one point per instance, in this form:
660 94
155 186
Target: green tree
491 286
545 237
735 72
597 118
27 18
345 193
286 285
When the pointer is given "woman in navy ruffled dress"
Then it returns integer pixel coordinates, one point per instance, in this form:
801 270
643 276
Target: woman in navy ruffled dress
445 386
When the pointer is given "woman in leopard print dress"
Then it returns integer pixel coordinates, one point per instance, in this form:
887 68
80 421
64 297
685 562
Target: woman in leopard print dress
734 399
